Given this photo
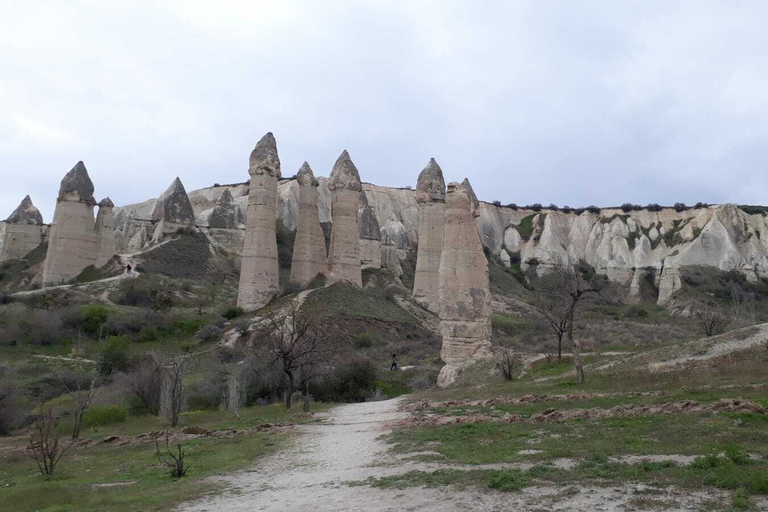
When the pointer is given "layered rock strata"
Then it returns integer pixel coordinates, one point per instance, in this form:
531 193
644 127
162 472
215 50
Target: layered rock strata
259 272
22 231
105 231
309 254
73 243
464 288
430 194
370 235
344 251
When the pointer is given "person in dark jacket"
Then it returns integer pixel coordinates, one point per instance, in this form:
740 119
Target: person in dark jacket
394 367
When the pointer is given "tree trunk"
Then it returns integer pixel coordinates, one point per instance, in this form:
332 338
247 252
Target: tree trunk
289 394
576 346
305 407
559 347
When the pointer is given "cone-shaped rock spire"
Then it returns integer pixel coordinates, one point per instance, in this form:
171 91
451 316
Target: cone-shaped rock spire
264 157
26 213
430 194
105 231
106 203
77 185
259 271
309 255
225 214
173 205
465 298
344 251
431 184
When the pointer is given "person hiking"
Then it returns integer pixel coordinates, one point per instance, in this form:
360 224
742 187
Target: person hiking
128 269
394 367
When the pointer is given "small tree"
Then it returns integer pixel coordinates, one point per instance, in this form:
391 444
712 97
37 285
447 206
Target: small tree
45 446
173 461
711 321
506 361
294 341
555 313
144 383
172 386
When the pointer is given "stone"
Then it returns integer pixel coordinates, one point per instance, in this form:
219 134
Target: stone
260 270
105 231
22 232
344 251
430 194
73 242
226 214
370 235
309 253
173 206
464 293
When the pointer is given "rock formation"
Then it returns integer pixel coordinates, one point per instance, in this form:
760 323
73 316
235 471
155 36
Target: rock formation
22 232
430 194
72 244
105 231
370 235
344 251
226 214
465 297
259 273
172 211
309 255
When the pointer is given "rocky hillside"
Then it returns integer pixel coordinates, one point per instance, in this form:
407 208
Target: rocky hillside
626 244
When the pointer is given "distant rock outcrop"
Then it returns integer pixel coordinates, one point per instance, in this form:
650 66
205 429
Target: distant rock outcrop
226 214
172 211
105 231
430 194
370 235
309 254
22 232
465 297
259 272
73 243
344 252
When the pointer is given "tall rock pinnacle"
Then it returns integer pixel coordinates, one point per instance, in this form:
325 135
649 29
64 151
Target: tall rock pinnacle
22 232
105 231
77 185
430 195
344 251
465 297
260 272
309 256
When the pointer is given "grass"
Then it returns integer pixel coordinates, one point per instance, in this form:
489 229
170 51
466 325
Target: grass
342 299
525 228
135 480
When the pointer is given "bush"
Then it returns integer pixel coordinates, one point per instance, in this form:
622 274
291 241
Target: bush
536 207
204 395
148 334
364 340
5 297
93 319
566 209
114 356
636 312
627 207
134 292
100 415
653 207
593 209
189 326
553 207
352 382
680 207
512 206
232 312
209 333
496 203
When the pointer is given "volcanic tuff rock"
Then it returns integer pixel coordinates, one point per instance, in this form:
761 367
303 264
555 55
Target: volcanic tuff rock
430 194
105 231
22 232
309 255
465 297
259 272
370 235
344 251
226 214
73 242
173 205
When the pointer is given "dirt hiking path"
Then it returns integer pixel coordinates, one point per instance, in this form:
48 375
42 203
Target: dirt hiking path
313 472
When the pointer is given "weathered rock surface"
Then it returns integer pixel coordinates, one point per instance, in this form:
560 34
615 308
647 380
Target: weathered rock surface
22 231
370 235
465 297
73 243
173 206
226 214
344 251
309 254
430 194
259 272
105 231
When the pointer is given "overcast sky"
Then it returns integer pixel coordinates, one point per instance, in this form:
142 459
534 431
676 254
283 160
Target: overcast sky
571 102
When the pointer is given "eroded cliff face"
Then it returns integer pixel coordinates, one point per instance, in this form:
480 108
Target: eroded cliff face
622 245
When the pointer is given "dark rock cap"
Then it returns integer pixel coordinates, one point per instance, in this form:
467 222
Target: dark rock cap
344 174
431 184
368 225
264 158
225 214
77 185
173 205
106 203
305 176
26 213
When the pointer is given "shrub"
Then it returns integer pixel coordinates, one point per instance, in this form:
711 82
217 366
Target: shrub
5 297
680 207
579 211
627 207
93 319
566 209
100 415
232 312
204 395
134 292
209 333
189 325
512 206
509 480
352 382
553 207
536 207
593 209
653 207
147 334
364 340
114 356
496 203
636 312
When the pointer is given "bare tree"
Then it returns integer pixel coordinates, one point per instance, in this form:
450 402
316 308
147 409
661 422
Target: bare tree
555 313
81 391
173 461
45 446
711 321
172 386
144 383
295 341
506 361
570 285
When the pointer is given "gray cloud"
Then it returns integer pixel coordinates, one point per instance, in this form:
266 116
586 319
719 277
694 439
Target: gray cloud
559 101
